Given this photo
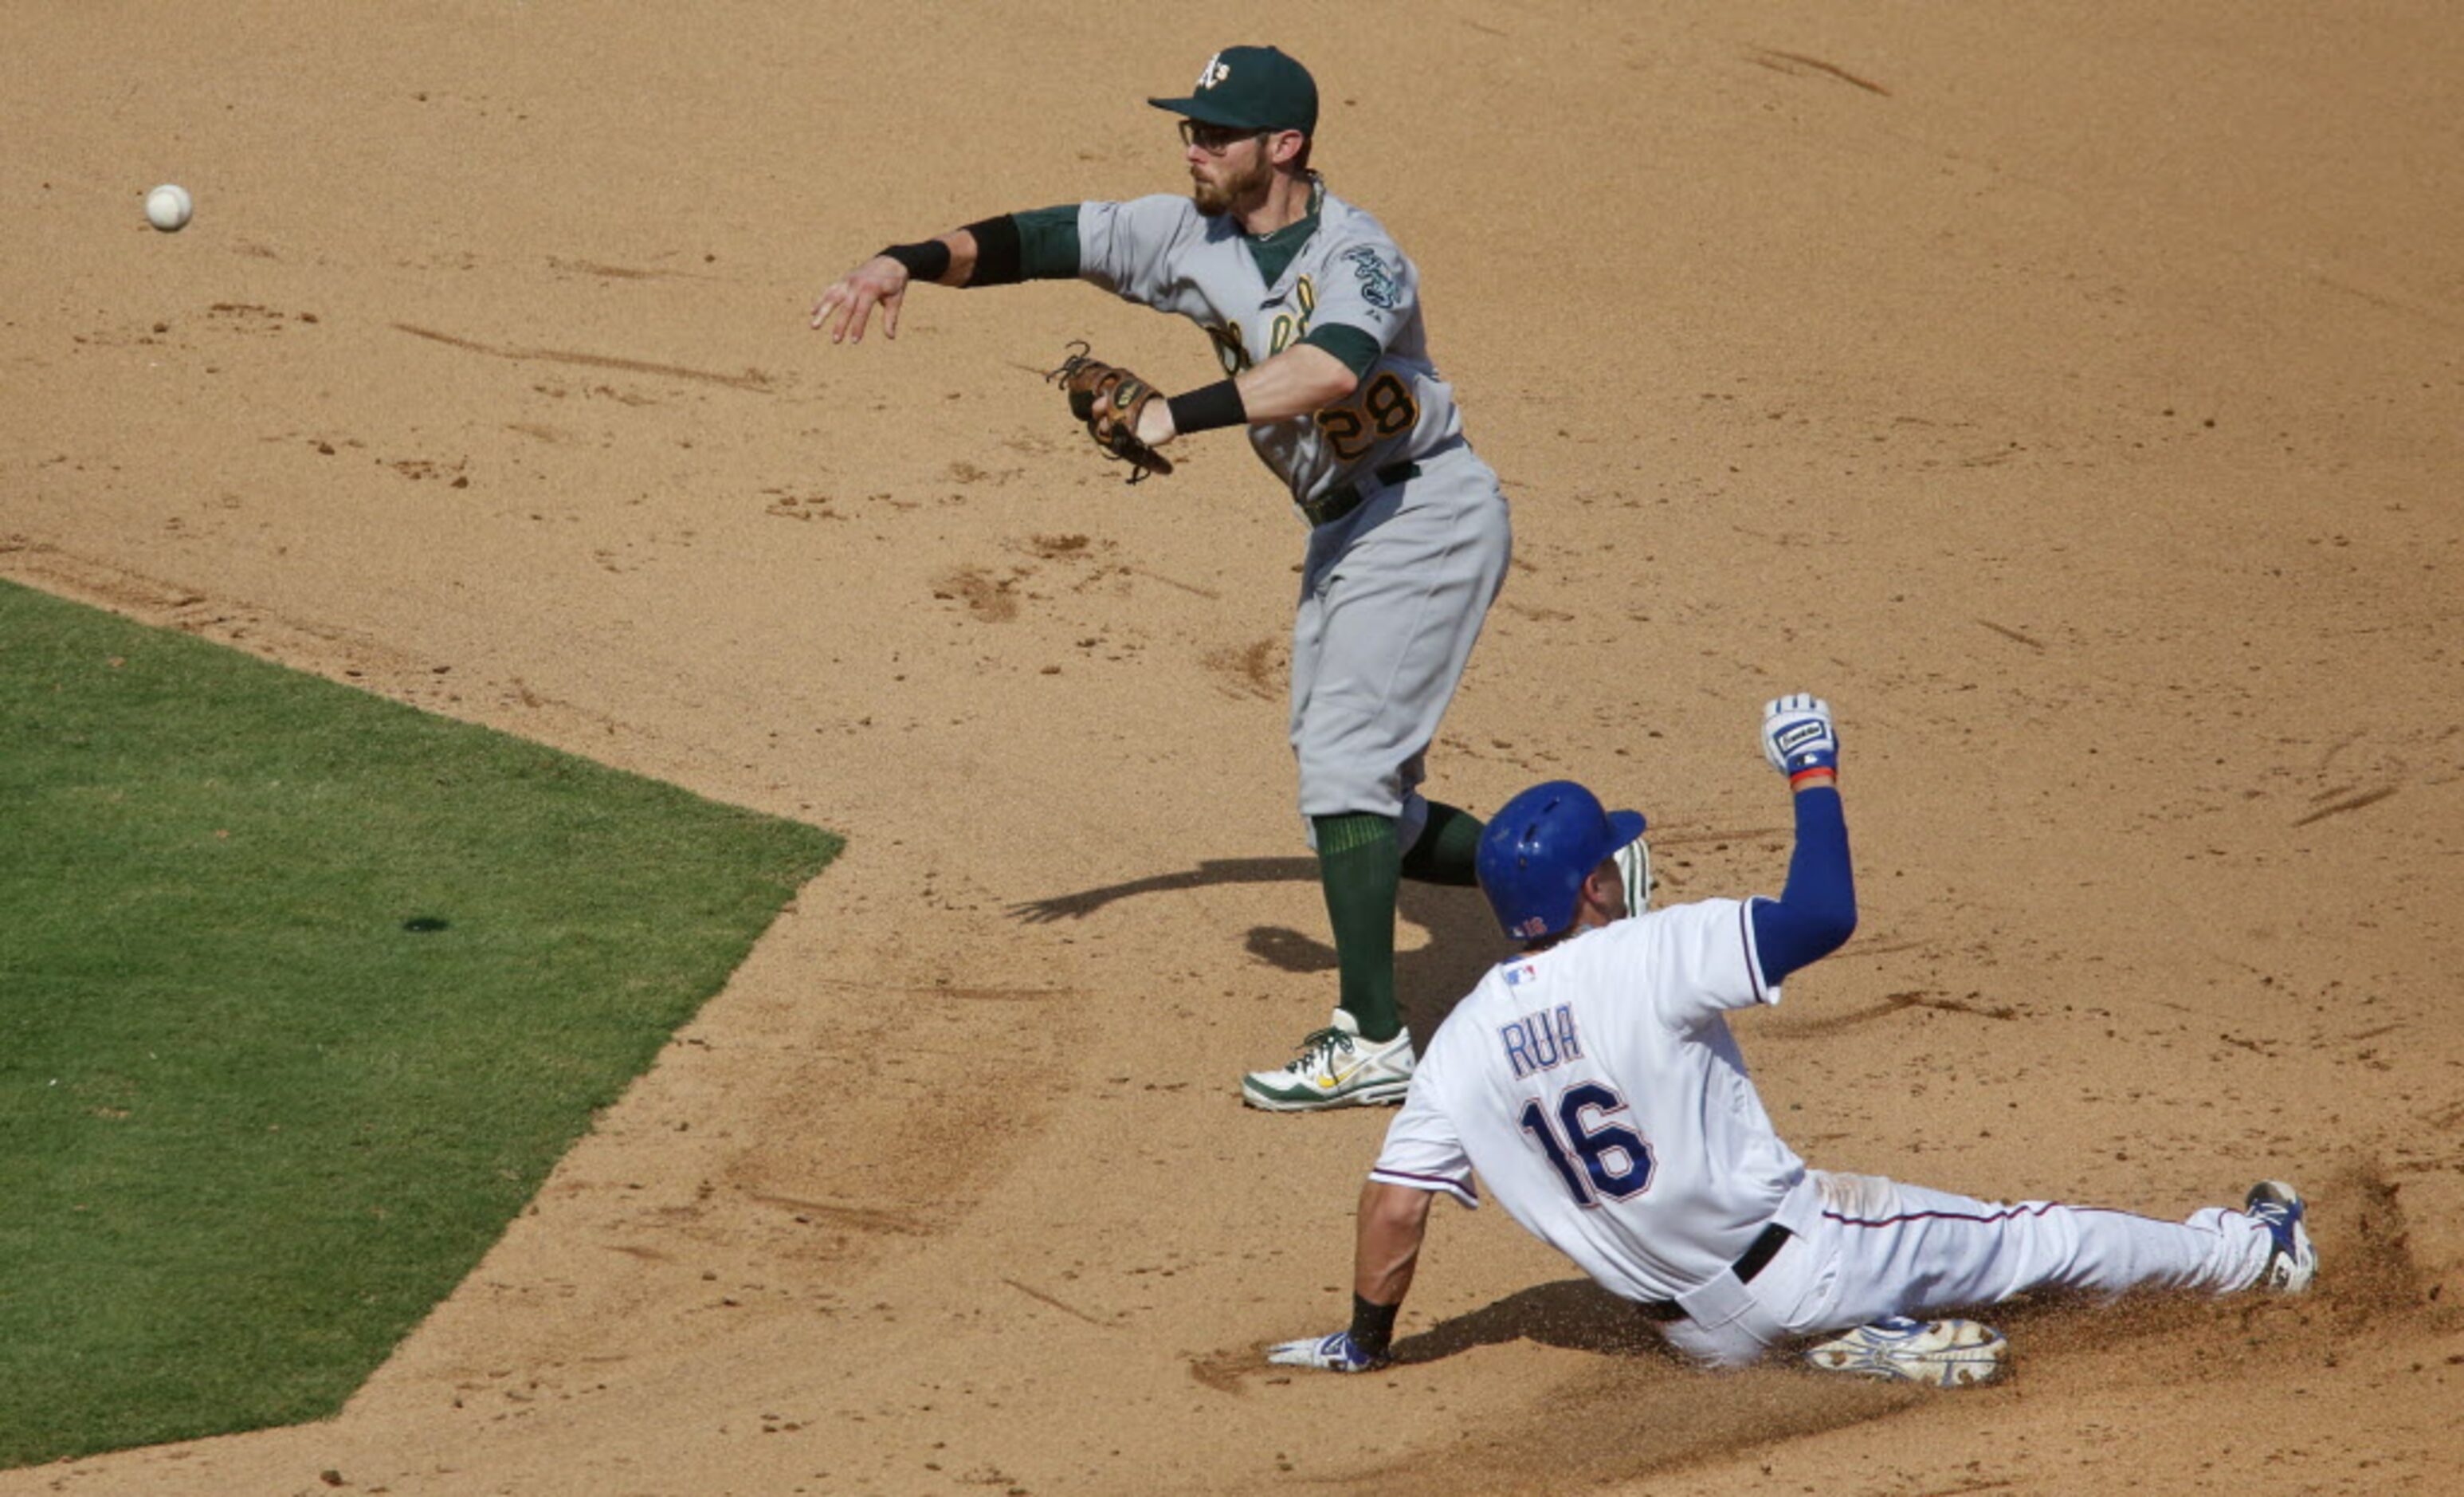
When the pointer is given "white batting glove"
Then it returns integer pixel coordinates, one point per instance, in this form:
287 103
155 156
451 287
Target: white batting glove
1797 734
1334 1354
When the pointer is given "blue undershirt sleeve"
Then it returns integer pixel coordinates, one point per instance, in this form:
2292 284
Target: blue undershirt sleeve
1817 912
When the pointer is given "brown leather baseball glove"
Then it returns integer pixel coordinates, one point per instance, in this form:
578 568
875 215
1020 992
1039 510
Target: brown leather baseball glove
1109 399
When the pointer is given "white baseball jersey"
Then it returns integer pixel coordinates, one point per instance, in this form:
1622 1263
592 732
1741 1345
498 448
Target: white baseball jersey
1596 1091
1162 253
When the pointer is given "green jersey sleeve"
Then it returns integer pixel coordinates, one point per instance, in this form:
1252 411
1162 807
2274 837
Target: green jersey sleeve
1357 349
1047 242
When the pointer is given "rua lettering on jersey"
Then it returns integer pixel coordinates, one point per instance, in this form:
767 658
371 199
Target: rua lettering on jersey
1541 1042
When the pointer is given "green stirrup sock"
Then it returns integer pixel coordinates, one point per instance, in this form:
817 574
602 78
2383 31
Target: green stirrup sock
1357 862
1448 850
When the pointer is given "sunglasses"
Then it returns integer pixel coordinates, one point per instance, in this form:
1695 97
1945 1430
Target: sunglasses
1216 139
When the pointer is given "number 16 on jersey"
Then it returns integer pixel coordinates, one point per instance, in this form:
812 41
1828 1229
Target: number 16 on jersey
1615 1163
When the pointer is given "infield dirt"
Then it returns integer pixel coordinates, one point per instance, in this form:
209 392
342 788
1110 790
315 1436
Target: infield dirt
2069 392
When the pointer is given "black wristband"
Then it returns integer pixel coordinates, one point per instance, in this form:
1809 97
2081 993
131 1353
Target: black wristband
925 261
1372 1328
1209 407
1001 253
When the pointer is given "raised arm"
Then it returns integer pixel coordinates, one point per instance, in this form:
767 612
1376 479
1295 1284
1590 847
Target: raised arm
1817 912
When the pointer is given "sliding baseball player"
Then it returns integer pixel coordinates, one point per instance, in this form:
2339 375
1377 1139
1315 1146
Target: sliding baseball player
1590 1083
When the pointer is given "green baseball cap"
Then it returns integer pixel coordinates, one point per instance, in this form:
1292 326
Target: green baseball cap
1250 88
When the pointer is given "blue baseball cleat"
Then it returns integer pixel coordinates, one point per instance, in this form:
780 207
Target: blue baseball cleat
2292 1263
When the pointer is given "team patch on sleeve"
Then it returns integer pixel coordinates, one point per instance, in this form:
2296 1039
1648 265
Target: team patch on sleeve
1379 286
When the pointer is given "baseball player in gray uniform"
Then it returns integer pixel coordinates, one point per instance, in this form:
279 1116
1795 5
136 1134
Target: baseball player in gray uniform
1315 316
1592 1084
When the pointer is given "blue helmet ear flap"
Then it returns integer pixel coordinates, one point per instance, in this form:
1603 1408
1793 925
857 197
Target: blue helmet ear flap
1537 851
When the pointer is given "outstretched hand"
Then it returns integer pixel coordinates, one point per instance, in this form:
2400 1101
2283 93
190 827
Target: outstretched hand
847 305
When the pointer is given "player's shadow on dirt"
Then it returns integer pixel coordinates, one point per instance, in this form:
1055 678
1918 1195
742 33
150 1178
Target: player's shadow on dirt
2368 1282
1640 1409
1576 1315
1579 1315
1462 934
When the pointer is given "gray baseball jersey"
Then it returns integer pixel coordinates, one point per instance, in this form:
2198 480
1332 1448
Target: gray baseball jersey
1394 591
1162 253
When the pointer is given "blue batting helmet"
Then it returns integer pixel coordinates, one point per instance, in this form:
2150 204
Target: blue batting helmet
1537 851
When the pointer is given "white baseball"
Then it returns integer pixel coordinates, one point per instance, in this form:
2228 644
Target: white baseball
168 206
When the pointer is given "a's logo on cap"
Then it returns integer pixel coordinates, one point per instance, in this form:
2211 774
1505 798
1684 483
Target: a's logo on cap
1215 70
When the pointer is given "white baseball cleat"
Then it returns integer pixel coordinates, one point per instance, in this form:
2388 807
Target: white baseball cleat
1336 1068
2292 1263
1939 1353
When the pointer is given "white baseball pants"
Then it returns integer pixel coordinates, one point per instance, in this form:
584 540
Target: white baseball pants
1867 1248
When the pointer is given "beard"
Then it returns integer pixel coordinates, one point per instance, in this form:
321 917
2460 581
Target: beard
1235 188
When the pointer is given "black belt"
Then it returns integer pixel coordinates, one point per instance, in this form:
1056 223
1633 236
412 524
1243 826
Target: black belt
1341 500
1752 1262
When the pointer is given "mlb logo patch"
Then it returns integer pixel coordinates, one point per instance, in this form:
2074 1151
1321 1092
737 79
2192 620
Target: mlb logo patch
1520 973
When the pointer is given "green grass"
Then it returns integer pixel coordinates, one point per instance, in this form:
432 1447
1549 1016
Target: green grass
251 1127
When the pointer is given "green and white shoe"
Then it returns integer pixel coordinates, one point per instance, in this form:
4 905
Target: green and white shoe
1336 1068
